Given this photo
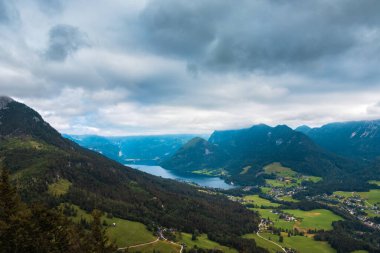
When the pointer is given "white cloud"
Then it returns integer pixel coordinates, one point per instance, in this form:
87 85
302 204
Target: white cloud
225 73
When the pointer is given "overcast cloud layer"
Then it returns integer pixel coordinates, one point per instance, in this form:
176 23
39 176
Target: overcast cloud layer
177 66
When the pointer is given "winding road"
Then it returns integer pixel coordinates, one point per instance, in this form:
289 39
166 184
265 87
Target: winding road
278 245
139 245
152 242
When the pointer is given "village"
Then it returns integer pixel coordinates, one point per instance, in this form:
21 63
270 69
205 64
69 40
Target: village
353 204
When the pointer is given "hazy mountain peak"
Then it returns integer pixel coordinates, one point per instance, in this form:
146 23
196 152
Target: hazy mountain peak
303 129
4 101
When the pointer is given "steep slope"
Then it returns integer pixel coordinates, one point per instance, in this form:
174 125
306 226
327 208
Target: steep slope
357 139
197 154
248 150
38 157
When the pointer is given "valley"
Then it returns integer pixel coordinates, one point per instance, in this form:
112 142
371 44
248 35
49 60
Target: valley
260 189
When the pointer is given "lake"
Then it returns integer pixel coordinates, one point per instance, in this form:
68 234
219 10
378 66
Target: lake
207 181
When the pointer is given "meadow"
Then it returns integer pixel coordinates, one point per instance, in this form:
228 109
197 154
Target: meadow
160 246
277 222
258 201
125 233
314 219
286 177
302 244
202 242
59 188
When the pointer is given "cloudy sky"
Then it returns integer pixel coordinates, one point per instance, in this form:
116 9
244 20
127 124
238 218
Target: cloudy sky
120 67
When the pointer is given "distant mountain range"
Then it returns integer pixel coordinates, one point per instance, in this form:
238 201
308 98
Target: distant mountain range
329 151
357 139
134 149
39 158
241 154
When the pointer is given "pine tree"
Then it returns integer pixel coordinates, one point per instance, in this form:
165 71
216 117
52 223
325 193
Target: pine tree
13 216
10 202
100 240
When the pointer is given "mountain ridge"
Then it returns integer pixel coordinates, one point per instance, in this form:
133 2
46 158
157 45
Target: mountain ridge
261 145
354 139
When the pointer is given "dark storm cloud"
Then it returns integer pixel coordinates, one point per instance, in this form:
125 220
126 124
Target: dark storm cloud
63 41
258 35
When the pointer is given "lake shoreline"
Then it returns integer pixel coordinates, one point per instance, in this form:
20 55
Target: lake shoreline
201 180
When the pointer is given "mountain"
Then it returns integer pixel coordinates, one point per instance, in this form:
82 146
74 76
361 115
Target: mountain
244 152
39 158
303 129
356 139
134 149
197 153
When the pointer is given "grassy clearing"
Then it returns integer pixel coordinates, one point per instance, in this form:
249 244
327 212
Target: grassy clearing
160 246
27 143
203 242
59 188
209 172
279 170
359 251
373 196
313 179
374 182
256 200
263 243
125 233
343 194
278 183
302 244
314 219
286 177
265 190
277 222
288 199
245 170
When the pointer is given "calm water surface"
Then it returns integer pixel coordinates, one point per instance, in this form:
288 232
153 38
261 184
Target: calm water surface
213 182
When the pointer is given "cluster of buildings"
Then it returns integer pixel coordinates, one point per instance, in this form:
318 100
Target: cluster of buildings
354 205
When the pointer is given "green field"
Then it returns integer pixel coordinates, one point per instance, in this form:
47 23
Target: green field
278 183
59 188
272 248
256 200
278 223
372 196
265 190
125 233
202 242
245 170
314 219
374 182
209 172
359 251
160 246
279 170
343 194
302 244
288 199
286 177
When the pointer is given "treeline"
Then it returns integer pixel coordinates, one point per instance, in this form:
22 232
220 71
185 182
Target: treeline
350 183
34 228
348 236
